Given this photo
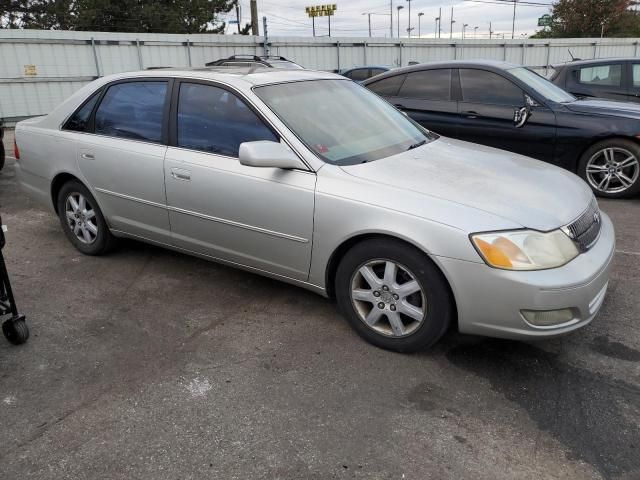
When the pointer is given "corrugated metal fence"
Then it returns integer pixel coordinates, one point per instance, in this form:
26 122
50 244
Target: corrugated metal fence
39 69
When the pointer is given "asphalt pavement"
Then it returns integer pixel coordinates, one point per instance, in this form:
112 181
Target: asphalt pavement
150 364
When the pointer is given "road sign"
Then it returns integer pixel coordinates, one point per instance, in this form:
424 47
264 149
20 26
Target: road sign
545 20
321 10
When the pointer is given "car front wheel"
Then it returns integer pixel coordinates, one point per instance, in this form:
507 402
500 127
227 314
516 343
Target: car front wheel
393 295
612 168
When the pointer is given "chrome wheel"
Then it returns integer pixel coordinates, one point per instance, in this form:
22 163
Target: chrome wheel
388 298
613 170
81 218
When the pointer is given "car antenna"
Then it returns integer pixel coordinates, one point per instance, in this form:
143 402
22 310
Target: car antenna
573 59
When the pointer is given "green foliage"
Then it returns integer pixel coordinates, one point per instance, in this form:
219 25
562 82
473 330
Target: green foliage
585 18
168 16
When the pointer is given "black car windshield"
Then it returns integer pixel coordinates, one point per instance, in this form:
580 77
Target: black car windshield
541 85
341 121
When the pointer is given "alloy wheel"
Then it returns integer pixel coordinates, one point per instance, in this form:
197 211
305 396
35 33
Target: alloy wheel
613 170
81 218
388 298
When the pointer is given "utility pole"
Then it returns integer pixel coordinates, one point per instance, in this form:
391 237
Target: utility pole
409 26
238 15
513 24
369 15
391 17
464 27
475 30
266 36
439 21
254 18
399 7
490 31
452 22
419 31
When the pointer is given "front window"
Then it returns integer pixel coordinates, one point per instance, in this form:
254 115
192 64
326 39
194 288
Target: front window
541 85
342 122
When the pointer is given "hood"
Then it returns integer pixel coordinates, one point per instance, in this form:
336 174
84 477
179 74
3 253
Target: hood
527 192
605 107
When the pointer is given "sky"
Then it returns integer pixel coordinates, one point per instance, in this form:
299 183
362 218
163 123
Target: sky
288 17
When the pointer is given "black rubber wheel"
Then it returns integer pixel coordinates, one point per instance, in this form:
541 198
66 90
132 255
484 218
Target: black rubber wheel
2 155
83 224
16 331
612 168
430 304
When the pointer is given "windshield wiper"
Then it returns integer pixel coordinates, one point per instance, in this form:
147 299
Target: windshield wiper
416 145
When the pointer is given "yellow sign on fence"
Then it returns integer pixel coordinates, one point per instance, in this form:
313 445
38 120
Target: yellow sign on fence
30 70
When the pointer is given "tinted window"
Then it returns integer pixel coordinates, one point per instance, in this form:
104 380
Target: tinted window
479 86
132 110
387 87
213 120
359 74
606 75
428 84
376 71
79 122
636 75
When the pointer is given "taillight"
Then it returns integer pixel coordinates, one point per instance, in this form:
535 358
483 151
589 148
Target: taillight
16 150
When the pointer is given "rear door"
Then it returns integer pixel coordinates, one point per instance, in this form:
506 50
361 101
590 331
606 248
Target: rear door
122 155
634 82
602 81
426 96
489 102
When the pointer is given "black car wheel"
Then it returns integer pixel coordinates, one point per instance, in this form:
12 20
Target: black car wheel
612 168
393 295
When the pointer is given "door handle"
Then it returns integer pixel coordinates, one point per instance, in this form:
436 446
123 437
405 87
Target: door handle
471 114
181 174
87 156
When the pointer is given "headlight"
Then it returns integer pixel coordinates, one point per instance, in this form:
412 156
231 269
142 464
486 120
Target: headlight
525 249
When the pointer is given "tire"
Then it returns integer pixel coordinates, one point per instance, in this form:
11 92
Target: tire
2 155
16 331
617 160
361 300
98 239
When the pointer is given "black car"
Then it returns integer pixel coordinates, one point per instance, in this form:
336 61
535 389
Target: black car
2 154
615 78
273 61
513 108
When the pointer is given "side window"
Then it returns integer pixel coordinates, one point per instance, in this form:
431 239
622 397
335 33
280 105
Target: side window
213 120
636 75
359 75
79 121
604 75
479 86
132 110
428 85
376 71
387 87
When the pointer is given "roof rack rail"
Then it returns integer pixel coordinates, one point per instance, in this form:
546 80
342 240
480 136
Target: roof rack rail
244 57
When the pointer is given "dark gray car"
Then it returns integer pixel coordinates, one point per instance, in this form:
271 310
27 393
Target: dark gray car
614 78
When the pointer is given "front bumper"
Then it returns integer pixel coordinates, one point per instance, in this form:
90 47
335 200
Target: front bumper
490 300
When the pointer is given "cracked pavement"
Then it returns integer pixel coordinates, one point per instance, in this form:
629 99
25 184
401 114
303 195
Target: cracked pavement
151 364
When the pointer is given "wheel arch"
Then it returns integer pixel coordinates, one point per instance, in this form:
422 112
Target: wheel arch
340 251
595 141
56 184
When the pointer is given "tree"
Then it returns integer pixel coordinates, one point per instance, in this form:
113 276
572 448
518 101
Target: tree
169 16
586 18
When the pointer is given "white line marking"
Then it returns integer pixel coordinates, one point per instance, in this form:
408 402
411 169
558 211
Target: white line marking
628 253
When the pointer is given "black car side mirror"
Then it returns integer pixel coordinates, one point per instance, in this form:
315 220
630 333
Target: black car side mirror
520 116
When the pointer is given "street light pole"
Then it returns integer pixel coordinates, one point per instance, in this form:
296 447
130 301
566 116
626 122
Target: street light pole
475 30
391 19
513 24
464 27
451 26
399 7
409 26
419 31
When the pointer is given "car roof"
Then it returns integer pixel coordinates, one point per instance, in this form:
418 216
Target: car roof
486 64
595 61
256 75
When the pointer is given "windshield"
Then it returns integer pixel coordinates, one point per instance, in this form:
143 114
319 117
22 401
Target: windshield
542 86
341 121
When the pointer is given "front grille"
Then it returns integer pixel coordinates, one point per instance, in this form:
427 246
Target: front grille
585 230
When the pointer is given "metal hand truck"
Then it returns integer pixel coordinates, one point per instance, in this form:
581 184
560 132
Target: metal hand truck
15 327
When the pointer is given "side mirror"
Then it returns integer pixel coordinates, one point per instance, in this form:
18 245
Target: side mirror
267 154
520 116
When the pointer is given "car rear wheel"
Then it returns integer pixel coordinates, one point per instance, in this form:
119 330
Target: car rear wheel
612 168
82 220
393 295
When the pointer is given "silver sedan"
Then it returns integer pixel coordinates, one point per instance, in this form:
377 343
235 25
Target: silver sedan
311 179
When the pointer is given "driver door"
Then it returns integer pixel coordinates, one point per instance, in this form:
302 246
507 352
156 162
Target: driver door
486 116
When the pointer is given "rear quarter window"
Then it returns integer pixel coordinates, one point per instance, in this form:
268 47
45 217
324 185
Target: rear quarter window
387 87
